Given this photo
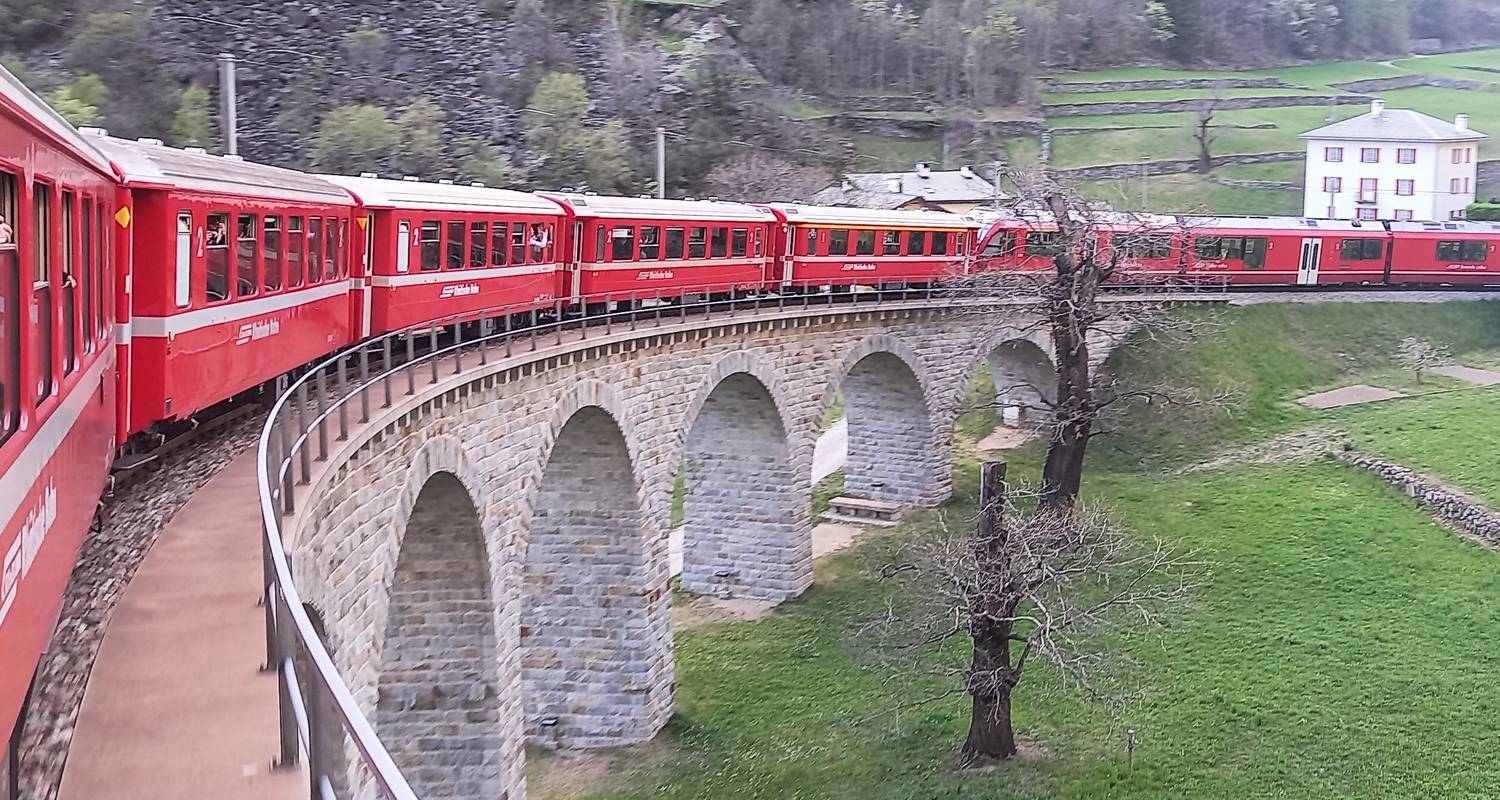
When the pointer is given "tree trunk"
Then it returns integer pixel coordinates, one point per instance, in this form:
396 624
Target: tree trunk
1072 311
991 736
990 672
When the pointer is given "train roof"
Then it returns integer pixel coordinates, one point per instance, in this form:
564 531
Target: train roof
15 95
608 207
375 192
1282 224
840 215
1455 226
147 163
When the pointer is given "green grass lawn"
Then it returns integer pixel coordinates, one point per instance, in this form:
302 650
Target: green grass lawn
1191 193
1147 95
886 153
1450 436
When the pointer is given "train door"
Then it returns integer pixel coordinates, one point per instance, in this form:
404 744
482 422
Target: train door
1307 268
575 261
366 280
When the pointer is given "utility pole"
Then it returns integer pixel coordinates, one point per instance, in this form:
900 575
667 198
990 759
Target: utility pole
227 105
999 168
661 163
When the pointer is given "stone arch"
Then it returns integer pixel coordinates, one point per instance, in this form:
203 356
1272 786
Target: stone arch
441 695
895 452
595 615
747 504
1025 380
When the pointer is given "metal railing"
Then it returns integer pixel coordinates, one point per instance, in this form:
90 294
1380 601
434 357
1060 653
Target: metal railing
314 414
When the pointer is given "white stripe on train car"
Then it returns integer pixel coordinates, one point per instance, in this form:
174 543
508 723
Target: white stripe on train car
603 266
19 478
158 327
122 333
434 276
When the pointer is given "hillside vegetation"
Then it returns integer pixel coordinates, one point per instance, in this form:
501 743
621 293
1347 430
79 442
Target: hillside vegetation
1342 646
762 98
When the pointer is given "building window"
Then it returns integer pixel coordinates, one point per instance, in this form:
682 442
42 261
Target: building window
1333 154
1369 214
1457 214
1404 215
1454 186
1468 155
1466 185
1406 188
1369 155
1406 155
1458 155
1333 184
1369 189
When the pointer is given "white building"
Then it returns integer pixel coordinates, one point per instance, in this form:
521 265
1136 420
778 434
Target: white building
1391 164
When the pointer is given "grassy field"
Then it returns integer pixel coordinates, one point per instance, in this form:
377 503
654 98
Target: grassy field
1191 193
1343 647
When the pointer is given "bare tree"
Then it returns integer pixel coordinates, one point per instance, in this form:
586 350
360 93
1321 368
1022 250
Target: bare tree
1205 135
1032 582
1420 355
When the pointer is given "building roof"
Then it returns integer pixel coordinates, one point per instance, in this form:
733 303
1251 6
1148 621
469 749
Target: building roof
895 189
1382 124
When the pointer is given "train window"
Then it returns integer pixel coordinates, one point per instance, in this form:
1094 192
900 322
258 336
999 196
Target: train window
341 250
697 242
719 243
1146 247
963 242
479 235
1463 251
431 239
1255 252
650 243
916 243
217 256
246 281
10 303
739 242
890 243
541 243
600 232
810 242
998 245
756 243
271 248
518 243
622 243
69 286
315 249
1042 243
103 310
403 246
1361 249
864 243
333 246
41 238
296 251
1221 248
182 285
940 244
455 246
497 244
88 264
838 243
676 238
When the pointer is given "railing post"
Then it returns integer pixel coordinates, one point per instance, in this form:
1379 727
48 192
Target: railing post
458 349
304 452
632 314
364 384
343 378
284 638
411 368
322 408
288 505
483 344
609 315
508 336
432 352
658 308
557 318
385 351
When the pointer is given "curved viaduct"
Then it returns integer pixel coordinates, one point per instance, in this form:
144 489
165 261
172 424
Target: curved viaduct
487 557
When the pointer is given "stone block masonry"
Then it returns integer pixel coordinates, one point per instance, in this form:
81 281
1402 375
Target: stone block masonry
544 614
1442 503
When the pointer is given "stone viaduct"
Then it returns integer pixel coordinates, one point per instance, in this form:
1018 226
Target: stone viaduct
488 559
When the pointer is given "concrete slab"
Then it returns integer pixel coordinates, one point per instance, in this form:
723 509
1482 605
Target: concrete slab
1348 396
1005 437
176 705
1474 375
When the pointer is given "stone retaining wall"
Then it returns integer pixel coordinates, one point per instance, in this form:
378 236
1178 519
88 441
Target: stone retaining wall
1173 166
1443 504
1408 82
1167 83
1199 103
1065 131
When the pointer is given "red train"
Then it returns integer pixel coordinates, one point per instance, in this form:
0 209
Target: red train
163 282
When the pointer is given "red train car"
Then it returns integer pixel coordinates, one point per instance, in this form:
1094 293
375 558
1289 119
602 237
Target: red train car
240 273
57 374
824 246
640 246
1287 251
437 249
1445 252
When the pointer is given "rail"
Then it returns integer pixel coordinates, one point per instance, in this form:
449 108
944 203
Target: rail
316 409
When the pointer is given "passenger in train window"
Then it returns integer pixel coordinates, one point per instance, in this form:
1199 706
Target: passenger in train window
217 236
7 234
539 241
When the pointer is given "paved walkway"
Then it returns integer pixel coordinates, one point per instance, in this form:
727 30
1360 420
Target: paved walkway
176 705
